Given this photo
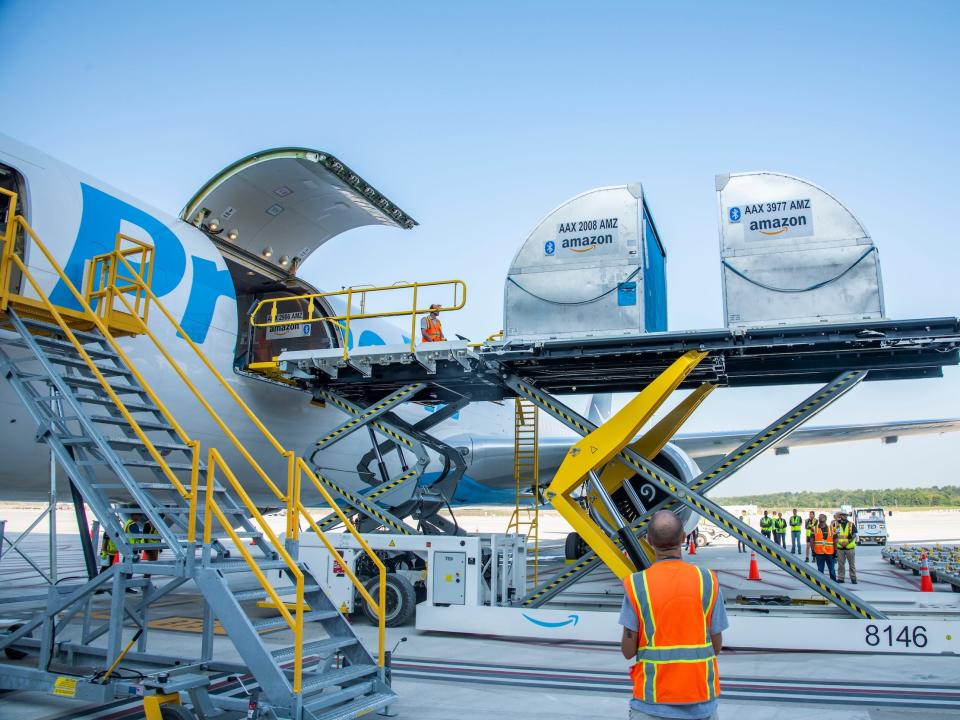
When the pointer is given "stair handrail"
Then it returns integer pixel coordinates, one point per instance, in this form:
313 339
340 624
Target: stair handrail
211 508
296 464
286 497
380 605
343 320
9 259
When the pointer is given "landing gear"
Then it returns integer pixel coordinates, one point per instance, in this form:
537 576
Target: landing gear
170 711
401 600
574 548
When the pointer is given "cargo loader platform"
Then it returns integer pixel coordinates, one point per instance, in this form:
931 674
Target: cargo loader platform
798 354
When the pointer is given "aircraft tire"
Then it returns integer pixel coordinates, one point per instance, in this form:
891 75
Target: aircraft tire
401 600
574 547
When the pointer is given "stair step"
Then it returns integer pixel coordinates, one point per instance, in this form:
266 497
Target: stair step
128 443
323 648
84 335
142 462
105 400
361 705
80 363
65 346
261 594
85 382
280 621
324 701
232 566
337 677
121 422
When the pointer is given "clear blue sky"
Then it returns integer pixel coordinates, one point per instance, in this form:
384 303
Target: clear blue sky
478 120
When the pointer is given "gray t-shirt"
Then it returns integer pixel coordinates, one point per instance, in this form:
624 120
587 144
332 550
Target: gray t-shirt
691 711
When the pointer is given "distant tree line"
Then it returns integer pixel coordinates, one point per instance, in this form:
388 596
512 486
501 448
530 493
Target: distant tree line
947 496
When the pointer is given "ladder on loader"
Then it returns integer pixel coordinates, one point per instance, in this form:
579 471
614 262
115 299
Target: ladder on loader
525 518
127 455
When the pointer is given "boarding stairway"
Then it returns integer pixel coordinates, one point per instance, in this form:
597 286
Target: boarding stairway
130 459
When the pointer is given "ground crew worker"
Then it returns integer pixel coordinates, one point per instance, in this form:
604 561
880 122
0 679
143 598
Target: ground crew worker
741 547
766 525
430 330
823 546
846 537
109 555
673 618
810 524
780 530
796 523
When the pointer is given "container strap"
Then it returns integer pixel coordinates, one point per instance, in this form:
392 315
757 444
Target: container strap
576 302
815 286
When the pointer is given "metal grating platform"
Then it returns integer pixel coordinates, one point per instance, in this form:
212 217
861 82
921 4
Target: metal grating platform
888 349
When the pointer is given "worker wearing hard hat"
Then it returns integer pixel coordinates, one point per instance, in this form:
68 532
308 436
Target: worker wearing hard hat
430 329
673 619
846 537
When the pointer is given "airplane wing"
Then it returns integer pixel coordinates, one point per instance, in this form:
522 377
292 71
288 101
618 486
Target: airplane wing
710 446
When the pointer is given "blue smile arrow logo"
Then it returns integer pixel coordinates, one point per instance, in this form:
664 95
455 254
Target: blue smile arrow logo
571 619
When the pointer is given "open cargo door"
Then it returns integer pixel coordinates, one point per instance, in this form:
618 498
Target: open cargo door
267 213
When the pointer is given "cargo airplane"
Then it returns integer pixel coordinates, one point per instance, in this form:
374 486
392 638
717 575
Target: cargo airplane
240 239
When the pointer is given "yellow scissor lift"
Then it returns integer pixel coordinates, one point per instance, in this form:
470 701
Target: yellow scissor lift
607 457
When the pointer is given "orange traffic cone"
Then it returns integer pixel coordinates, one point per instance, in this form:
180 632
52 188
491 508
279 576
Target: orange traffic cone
754 573
692 547
926 584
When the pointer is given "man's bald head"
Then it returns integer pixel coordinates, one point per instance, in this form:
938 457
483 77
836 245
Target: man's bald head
665 531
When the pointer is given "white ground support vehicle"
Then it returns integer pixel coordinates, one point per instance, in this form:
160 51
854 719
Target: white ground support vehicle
871 526
467 570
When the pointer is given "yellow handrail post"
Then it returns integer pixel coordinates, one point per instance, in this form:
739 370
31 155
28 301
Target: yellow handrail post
346 337
9 239
194 491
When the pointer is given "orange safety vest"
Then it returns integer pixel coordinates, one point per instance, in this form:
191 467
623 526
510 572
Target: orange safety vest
432 331
674 603
821 545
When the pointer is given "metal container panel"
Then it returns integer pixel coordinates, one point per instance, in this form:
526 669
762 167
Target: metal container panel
791 253
580 273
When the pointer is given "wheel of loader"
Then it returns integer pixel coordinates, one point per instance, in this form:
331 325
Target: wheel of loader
401 600
172 711
574 548
13 653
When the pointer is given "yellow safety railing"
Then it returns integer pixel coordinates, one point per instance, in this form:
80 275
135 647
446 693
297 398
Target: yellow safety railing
112 280
314 311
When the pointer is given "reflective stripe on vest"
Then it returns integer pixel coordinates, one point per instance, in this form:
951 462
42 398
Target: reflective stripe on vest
796 522
766 523
810 525
780 524
675 658
821 545
431 330
126 531
845 532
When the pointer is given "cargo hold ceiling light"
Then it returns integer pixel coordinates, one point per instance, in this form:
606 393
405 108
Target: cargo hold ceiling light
268 251
214 225
284 260
233 234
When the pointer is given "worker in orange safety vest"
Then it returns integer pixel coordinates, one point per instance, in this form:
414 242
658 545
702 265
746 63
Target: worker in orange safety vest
824 547
673 618
430 330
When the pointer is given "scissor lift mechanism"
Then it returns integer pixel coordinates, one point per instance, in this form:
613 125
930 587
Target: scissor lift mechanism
837 356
